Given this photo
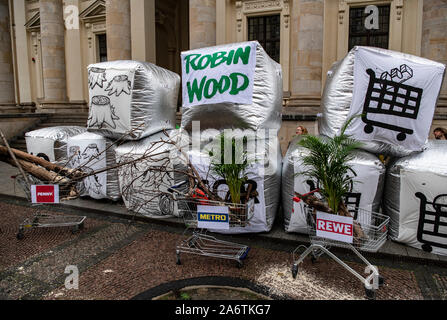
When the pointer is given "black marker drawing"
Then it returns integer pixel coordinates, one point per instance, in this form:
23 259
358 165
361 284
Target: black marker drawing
74 156
400 75
96 77
432 226
91 183
102 113
388 97
118 85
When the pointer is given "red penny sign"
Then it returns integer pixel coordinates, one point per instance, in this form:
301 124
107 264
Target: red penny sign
45 194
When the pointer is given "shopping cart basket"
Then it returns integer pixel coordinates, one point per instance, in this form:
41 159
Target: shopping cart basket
432 226
390 98
374 227
45 220
201 243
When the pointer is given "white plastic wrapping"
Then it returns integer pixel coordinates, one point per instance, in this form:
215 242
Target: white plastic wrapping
242 83
396 94
51 143
265 171
92 152
415 198
142 193
131 97
366 190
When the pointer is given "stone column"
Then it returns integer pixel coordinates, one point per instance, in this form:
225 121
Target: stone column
53 50
202 23
118 29
7 96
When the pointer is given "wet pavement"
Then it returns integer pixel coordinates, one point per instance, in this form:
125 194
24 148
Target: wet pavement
119 258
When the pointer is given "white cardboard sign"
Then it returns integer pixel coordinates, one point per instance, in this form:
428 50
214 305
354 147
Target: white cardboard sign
334 227
213 217
45 193
219 74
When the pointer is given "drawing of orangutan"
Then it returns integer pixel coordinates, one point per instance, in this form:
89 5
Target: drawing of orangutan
118 85
102 113
96 77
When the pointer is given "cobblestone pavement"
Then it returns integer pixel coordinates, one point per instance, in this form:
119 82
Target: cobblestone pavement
119 259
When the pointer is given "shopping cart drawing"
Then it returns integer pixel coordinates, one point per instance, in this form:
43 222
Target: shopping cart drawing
389 98
351 199
201 243
432 226
374 228
45 220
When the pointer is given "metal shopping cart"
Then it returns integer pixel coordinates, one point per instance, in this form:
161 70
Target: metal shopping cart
387 97
432 226
45 220
374 227
201 243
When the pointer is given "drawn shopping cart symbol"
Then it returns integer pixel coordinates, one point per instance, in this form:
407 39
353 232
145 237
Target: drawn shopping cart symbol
352 199
432 226
390 98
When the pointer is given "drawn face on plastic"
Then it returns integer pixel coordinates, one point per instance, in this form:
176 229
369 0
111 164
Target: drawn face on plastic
118 85
96 76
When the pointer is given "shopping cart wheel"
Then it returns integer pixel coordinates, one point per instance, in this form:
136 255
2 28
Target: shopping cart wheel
240 264
368 128
381 281
74 229
401 136
294 270
313 259
370 294
81 226
20 235
177 256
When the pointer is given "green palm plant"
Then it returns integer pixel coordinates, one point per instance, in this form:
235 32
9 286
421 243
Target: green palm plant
327 162
234 171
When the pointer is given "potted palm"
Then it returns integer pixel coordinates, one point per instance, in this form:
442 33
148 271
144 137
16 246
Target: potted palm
233 172
328 163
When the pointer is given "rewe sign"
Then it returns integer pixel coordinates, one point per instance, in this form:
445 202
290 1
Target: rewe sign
45 194
219 74
334 227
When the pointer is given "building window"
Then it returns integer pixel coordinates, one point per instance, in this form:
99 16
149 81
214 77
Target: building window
102 47
359 35
266 29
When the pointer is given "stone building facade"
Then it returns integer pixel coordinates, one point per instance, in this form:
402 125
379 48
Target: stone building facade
46 45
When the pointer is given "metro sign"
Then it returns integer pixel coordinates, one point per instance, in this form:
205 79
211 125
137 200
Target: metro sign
334 227
45 193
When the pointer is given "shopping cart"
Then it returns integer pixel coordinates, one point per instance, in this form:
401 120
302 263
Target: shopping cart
432 226
374 227
390 98
45 220
201 243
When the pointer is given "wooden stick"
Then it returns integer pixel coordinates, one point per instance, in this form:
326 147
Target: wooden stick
15 160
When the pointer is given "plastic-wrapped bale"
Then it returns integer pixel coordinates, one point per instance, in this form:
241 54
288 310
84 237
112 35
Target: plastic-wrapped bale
264 173
395 93
415 198
51 143
131 98
144 191
238 82
366 192
92 152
